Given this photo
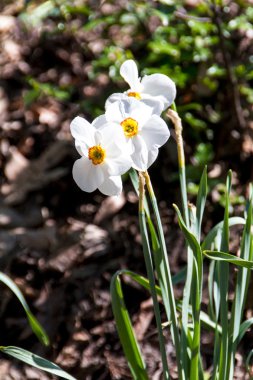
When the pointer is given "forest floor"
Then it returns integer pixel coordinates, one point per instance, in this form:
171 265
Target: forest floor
61 246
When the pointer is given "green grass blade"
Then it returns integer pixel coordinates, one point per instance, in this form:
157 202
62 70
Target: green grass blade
144 282
241 288
126 332
189 236
35 325
208 241
214 296
186 334
244 328
164 275
197 291
179 276
228 258
35 361
213 309
223 283
201 201
216 356
151 277
248 360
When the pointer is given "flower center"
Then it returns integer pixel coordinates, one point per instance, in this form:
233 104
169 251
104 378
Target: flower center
96 154
135 95
130 127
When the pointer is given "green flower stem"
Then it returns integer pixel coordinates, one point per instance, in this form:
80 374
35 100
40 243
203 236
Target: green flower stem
174 117
242 285
223 280
196 302
151 277
165 279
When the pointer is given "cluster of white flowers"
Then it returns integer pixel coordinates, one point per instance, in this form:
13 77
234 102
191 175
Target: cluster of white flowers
127 135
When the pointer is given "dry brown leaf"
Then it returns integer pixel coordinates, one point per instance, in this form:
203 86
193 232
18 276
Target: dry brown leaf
109 207
26 177
144 319
16 164
94 241
64 259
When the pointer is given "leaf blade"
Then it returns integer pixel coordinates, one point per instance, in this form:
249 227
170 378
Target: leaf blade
35 361
35 325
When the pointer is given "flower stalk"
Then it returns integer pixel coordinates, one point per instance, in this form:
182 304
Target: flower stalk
151 276
164 277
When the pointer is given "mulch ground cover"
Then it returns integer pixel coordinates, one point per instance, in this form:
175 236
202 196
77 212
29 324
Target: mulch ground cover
61 246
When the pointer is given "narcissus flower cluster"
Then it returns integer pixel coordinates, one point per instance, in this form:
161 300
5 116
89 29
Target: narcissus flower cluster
128 134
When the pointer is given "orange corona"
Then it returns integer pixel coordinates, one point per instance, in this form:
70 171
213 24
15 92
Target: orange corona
96 154
135 95
130 127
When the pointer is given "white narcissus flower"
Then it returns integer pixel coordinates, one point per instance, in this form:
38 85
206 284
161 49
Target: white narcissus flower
103 158
144 131
154 88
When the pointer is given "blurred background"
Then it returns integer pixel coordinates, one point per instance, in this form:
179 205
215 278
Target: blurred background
60 59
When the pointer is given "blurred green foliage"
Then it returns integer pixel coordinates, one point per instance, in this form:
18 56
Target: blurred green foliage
178 38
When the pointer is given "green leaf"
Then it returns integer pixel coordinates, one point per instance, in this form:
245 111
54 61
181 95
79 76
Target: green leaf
191 239
35 361
151 276
208 241
241 289
143 281
201 201
248 360
226 257
126 332
35 325
244 328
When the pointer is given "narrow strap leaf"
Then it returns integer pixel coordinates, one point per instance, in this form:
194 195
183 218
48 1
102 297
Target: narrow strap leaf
35 361
190 238
201 201
244 328
34 323
126 332
236 220
227 257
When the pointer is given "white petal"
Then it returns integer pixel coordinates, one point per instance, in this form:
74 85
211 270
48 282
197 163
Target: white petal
115 98
113 134
154 103
115 112
161 86
136 109
111 186
98 137
152 156
100 122
140 111
82 148
129 72
82 130
140 155
155 132
87 176
118 165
